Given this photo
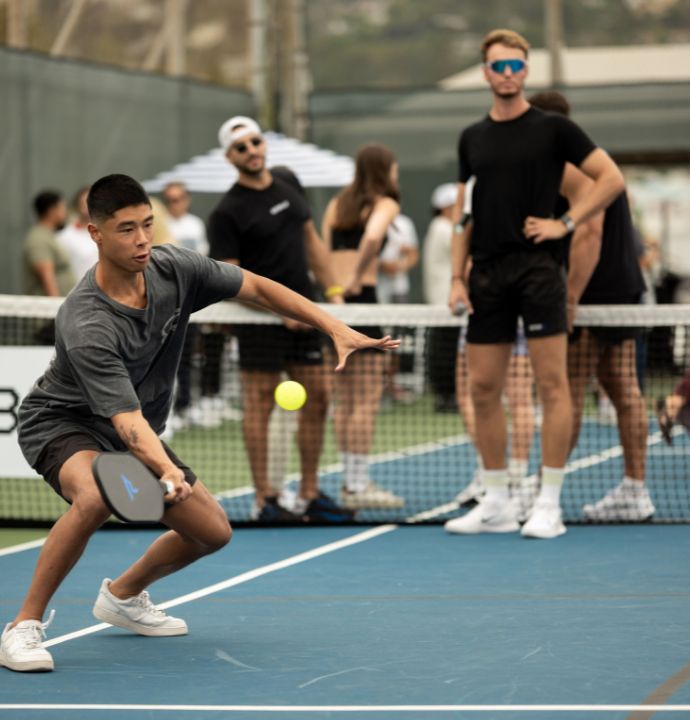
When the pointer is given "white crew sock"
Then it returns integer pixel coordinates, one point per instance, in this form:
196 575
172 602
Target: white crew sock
356 471
517 470
551 484
496 482
632 485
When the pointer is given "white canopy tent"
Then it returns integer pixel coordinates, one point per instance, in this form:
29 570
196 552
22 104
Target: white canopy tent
212 173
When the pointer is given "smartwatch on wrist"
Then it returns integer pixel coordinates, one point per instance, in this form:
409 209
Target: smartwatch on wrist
568 222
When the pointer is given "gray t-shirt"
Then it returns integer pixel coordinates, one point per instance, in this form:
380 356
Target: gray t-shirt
111 358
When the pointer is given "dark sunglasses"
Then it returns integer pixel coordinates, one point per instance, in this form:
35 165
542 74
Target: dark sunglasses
499 66
243 147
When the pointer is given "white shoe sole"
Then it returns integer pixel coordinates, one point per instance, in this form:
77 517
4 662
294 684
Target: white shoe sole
602 516
543 535
506 527
119 621
27 665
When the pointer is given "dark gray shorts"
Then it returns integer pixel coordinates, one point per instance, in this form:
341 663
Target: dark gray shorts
57 452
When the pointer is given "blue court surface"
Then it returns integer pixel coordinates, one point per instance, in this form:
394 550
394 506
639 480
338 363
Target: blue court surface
387 622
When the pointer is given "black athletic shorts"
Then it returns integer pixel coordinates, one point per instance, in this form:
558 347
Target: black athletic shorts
531 285
611 335
57 452
367 296
272 348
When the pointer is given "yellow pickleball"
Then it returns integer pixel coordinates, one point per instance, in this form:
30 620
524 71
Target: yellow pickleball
290 395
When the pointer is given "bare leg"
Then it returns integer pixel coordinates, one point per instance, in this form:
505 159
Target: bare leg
68 537
488 365
462 394
583 356
312 423
519 392
257 389
548 356
617 373
198 527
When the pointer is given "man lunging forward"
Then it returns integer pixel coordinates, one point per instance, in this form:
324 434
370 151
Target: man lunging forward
119 336
517 154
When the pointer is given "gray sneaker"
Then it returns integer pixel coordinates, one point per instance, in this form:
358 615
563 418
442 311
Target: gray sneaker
137 613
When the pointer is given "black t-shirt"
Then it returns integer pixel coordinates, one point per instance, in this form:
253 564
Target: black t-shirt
264 230
518 165
617 277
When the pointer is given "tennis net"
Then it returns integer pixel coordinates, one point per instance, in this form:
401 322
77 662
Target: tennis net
397 412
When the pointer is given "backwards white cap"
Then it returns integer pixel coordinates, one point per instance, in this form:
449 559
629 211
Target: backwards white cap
227 136
444 196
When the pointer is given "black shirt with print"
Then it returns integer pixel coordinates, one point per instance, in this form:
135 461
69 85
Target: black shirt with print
264 230
518 165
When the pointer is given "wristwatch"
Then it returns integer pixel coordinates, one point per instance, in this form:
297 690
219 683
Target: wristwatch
568 222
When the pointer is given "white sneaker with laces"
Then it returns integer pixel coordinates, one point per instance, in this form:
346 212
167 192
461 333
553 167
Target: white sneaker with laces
473 492
372 496
623 503
21 646
544 522
487 517
137 613
524 493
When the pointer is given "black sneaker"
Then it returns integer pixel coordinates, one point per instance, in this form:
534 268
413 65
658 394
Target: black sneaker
323 509
274 513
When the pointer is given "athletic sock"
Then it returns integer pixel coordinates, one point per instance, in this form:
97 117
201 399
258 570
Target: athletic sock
632 485
355 471
496 482
517 469
551 483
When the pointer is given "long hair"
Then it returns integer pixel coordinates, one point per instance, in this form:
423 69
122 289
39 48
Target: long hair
372 180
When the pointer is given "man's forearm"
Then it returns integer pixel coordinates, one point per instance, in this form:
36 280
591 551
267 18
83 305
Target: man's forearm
585 248
459 252
139 437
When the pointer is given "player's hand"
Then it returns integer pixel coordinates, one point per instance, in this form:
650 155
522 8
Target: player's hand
296 325
459 296
347 341
181 488
540 229
353 288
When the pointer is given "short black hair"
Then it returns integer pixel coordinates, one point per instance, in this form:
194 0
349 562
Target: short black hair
551 101
45 200
112 193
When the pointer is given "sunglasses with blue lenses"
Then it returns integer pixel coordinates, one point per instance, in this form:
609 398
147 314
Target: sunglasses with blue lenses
499 66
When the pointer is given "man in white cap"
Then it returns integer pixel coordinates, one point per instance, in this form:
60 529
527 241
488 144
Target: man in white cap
264 224
436 280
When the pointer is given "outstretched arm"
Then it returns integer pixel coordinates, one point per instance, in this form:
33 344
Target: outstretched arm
277 298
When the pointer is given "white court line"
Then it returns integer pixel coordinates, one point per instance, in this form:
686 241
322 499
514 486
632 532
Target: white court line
358 708
22 546
388 456
243 578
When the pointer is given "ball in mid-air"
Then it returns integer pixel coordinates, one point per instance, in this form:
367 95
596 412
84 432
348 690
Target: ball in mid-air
290 395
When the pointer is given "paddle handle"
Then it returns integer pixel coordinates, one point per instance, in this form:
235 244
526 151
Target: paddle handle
167 486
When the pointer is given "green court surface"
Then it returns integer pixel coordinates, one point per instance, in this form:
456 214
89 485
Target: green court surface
16 536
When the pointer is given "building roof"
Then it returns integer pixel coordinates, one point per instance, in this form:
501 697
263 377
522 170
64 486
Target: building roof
591 66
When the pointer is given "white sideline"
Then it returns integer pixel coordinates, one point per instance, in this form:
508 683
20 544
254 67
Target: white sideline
242 578
358 708
22 546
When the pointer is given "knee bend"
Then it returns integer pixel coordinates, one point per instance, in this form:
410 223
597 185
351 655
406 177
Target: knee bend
92 509
484 394
219 536
553 388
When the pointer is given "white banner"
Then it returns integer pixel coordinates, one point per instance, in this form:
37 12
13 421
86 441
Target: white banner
20 367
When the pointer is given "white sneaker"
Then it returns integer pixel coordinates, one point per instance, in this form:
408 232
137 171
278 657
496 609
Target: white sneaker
137 613
21 646
473 492
524 493
372 496
487 517
545 521
623 503
207 413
